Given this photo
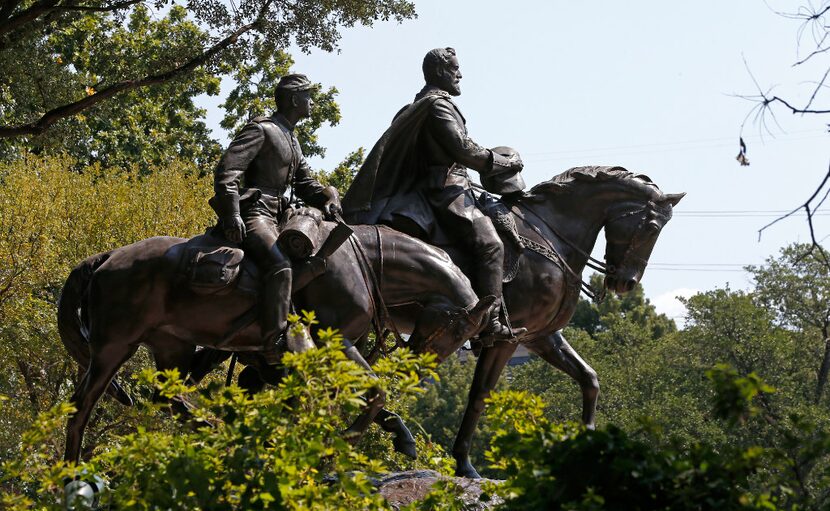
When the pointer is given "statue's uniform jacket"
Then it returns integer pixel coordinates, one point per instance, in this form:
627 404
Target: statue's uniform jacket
416 174
417 168
265 157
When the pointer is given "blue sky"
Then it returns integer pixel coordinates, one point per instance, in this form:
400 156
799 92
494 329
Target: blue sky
643 84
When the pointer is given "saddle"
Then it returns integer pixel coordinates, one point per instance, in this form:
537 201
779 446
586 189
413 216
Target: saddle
209 264
507 230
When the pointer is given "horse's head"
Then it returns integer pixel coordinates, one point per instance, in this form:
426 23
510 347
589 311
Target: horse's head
630 233
442 329
630 207
631 229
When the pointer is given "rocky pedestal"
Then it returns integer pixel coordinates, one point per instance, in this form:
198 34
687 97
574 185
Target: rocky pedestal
402 488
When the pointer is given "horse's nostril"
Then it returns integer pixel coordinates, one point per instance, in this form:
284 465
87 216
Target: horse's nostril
629 284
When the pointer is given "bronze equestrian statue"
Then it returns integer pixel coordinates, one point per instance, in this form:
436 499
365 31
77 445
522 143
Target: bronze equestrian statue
142 293
145 293
266 158
415 181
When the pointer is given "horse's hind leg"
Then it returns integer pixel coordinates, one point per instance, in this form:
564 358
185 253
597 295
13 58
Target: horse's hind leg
556 351
489 366
103 365
402 439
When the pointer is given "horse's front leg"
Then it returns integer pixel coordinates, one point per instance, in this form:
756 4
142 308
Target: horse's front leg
375 399
490 364
556 351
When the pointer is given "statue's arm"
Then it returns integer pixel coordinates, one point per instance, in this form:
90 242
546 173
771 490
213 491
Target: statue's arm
452 136
313 193
307 187
239 155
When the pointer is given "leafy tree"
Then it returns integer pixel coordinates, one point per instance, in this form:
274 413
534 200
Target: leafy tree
341 176
796 286
632 306
157 124
51 219
280 449
42 83
553 466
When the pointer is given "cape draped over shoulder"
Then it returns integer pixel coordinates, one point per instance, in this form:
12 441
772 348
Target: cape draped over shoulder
392 179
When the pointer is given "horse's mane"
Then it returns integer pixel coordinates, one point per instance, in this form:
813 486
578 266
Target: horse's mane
571 178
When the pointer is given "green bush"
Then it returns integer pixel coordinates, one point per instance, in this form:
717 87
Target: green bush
280 449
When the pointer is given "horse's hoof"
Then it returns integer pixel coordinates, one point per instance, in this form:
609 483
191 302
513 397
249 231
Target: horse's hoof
405 447
466 469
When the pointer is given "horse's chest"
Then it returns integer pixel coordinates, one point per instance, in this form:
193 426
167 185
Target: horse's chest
539 298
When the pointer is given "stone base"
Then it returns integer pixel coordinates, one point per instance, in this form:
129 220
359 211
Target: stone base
403 488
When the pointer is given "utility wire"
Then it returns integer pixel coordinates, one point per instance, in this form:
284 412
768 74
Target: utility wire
730 139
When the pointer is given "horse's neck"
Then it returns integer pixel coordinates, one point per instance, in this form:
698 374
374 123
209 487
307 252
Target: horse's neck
566 224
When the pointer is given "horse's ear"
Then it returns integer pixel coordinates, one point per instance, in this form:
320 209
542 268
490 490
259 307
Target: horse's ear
673 198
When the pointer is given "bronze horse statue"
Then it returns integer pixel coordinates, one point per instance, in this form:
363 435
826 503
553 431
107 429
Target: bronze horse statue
558 222
115 301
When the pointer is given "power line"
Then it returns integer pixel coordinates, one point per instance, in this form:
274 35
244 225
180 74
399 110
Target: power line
699 270
722 140
701 264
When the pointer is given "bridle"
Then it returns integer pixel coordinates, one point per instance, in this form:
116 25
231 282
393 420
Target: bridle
596 295
648 209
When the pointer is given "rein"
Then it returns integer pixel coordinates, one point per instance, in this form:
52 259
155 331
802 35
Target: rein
596 295
381 315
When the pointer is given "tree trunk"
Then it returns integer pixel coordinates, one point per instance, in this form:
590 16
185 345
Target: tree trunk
31 389
824 369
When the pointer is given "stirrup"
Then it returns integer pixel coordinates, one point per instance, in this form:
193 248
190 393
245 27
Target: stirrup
497 331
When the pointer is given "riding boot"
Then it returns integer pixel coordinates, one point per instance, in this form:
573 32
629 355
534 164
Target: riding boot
276 299
489 258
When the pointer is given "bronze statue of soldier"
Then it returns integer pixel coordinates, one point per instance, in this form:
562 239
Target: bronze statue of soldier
415 179
261 163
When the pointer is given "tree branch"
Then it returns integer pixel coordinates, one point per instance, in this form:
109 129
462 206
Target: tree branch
56 114
46 7
795 110
26 16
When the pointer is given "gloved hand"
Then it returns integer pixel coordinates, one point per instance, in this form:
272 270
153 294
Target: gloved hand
332 206
515 162
234 228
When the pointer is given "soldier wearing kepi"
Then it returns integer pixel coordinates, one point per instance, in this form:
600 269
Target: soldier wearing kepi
415 178
261 163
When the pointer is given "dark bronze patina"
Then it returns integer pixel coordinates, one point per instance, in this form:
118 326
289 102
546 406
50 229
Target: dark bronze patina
261 163
115 301
415 179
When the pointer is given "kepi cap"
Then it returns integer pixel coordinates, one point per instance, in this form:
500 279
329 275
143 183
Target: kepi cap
295 83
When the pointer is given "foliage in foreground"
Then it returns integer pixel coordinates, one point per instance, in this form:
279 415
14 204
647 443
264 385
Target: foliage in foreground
280 449
563 466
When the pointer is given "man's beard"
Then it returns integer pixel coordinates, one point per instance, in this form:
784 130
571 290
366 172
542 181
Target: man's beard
450 86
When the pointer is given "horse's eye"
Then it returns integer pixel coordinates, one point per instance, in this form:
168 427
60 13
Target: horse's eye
653 227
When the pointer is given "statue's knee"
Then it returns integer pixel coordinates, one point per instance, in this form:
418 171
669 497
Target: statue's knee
590 381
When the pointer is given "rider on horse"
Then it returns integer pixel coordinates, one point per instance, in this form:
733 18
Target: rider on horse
262 161
415 179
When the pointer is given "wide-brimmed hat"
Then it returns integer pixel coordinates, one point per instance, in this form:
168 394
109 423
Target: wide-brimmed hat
503 180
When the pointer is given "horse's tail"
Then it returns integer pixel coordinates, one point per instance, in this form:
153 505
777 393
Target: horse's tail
73 323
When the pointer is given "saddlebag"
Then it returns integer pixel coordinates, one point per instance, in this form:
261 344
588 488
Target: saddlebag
211 269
